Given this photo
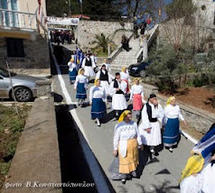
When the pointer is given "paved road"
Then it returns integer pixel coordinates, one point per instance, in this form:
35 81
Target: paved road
160 175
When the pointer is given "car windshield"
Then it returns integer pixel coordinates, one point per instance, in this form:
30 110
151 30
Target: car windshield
5 73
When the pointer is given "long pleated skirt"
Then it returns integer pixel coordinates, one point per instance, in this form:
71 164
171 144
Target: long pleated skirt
98 109
171 132
81 91
129 163
73 74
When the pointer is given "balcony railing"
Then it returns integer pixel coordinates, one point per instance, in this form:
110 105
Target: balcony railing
16 19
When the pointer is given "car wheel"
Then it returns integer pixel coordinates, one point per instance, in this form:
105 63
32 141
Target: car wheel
142 73
22 94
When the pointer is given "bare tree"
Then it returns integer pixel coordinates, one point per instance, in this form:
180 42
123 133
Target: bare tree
177 28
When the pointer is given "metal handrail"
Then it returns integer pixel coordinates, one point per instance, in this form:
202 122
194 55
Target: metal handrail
17 19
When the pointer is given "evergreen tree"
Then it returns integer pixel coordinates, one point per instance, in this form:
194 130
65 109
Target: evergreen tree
100 9
56 7
96 9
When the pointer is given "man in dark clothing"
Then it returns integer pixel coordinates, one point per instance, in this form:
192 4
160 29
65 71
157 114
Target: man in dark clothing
125 43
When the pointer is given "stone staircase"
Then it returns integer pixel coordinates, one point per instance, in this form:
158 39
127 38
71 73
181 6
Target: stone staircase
125 58
121 58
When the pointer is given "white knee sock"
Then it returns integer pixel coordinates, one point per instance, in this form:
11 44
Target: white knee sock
98 122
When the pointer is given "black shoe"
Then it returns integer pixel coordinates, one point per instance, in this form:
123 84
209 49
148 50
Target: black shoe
156 153
170 150
123 181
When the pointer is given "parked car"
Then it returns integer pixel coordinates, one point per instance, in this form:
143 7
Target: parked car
138 69
23 86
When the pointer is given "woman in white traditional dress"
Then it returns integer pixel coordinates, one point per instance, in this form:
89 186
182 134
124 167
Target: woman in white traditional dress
72 70
119 103
171 133
125 80
81 85
126 142
89 64
151 124
137 97
105 78
97 99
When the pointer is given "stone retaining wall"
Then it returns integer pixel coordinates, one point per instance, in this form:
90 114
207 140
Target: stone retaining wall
87 30
197 118
36 160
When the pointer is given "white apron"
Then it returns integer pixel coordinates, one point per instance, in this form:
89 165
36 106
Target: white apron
154 137
119 102
89 72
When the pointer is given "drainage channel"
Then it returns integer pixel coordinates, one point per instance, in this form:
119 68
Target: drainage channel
74 168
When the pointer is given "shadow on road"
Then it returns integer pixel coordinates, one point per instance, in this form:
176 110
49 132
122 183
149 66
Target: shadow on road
74 167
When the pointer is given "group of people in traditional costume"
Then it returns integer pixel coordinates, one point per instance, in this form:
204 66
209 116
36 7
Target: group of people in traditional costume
151 117
128 135
79 59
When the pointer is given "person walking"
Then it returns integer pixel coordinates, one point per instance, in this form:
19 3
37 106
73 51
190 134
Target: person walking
72 70
88 64
125 43
125 78
137 97
105 78
81 85
97 98
172 115
151 124
119 103
126 142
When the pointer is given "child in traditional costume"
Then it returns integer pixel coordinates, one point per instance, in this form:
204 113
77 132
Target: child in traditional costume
105 78
89 64
97 99
81 85
124 75
72 70
151 124
126 142
119 103
171 133
137 97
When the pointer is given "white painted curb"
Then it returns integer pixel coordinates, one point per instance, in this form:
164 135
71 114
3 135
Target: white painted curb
193 140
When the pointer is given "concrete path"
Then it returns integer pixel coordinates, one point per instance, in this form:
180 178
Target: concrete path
160 175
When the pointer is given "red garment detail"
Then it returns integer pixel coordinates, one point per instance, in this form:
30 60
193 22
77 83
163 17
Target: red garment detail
137 102
127 88
148 21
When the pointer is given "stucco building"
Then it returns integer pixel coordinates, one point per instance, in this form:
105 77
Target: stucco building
23 36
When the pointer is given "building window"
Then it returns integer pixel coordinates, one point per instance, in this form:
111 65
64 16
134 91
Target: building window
15 47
